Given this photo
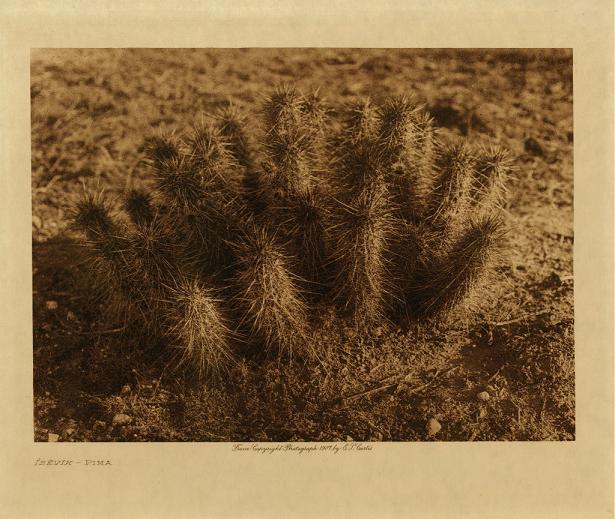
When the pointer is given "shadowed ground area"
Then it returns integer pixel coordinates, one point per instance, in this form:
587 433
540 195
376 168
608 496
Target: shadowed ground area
505 374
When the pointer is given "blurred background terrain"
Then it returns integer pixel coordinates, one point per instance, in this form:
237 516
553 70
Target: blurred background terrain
507 375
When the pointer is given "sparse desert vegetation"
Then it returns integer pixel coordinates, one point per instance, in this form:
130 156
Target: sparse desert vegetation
329 267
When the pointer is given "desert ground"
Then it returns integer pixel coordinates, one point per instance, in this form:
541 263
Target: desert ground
505 374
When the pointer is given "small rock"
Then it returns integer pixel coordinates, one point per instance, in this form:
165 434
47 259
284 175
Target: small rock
349 439
482 413
121 419
378 331
99 426
377 436
484 396
555 88
353 88
71 316
261 436
51 305
52 437
70 428
36 221
533 147
433 427
126 389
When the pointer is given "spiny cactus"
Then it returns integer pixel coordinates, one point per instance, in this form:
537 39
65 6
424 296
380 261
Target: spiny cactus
407 143
289 184
110 256
372 210
149 270
363 232
363 227
454 275
138 205
232 125
267 292
197 327
195 180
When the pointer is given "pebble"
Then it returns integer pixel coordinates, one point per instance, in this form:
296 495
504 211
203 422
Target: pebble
433 427
482 413
121 419
70 428
349 439
71 316
354 88
52 437
533 147
555 88
126 389
484 396
36 221
99 426
51 305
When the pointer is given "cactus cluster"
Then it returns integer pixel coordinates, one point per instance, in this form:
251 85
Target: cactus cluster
364 209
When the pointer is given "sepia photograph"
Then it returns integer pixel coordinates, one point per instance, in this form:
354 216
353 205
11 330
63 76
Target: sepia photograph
302 244
321 260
